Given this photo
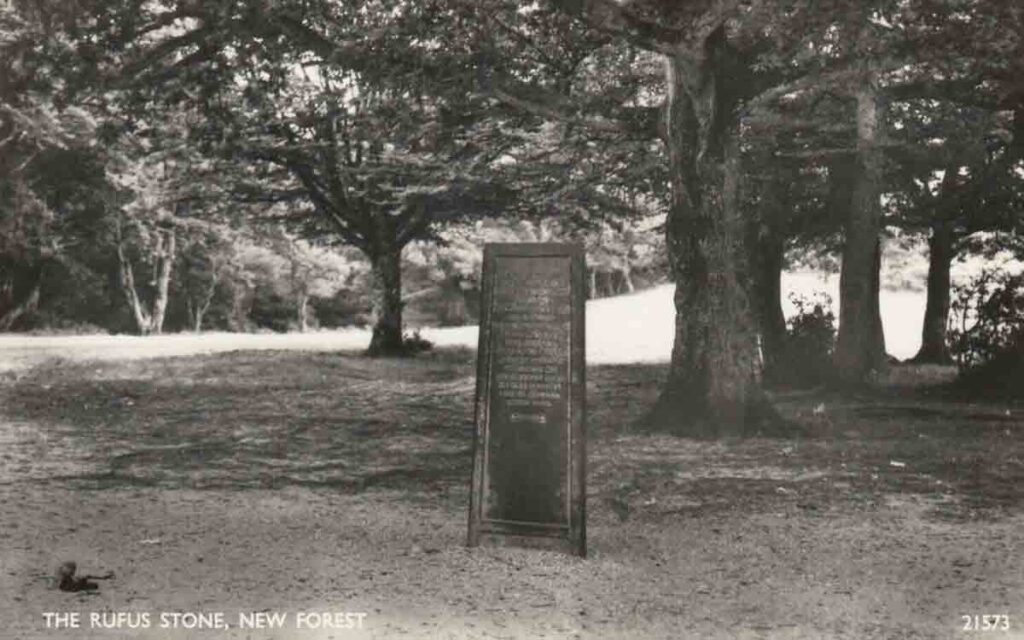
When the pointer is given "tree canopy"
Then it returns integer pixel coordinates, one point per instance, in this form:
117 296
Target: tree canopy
147 146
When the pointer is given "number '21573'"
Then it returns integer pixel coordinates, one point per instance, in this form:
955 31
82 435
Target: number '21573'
987 622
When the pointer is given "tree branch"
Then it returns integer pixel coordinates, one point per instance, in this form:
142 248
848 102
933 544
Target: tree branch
620 20
552 106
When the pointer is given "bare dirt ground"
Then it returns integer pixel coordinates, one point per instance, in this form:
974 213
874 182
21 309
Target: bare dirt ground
295 481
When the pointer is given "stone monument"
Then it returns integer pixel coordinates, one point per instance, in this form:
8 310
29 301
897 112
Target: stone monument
529 463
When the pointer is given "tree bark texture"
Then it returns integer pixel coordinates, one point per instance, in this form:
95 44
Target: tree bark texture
860 346
386 272
768 250
714 377
936 313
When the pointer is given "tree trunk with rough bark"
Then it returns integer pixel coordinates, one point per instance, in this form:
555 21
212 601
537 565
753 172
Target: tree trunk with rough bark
714 385
386 272
860 346
936 313
768 251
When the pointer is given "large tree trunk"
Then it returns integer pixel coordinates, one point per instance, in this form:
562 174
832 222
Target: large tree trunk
860 347
936 313
769 251
386 271
713 386
878 331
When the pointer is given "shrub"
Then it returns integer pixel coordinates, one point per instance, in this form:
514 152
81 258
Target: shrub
986 333
810 339
415 343
986 320
271 310
47 325
346 308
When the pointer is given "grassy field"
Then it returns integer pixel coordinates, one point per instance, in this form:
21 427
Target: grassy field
630 328
295 481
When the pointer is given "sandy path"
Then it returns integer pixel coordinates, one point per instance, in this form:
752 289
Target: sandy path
880 574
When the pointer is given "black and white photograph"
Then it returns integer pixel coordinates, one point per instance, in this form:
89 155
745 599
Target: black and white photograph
511 319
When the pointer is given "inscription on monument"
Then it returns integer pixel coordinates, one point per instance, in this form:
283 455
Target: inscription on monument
529 466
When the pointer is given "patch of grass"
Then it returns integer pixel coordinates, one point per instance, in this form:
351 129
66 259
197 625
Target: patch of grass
252 420
1001 377
256 419
919 376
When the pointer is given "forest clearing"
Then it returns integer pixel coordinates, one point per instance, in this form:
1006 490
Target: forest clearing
321 318
294 481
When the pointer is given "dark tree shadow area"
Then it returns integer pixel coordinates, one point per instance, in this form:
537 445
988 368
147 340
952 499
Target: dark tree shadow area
248 420
251 420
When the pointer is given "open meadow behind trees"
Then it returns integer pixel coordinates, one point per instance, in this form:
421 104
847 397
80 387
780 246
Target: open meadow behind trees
289 473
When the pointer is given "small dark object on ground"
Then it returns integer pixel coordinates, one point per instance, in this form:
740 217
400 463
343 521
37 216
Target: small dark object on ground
68 581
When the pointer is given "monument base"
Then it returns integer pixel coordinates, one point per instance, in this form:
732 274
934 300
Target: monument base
545 543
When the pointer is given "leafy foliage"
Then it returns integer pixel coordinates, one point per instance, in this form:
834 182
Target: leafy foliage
987 319
415 343
385 124
810 340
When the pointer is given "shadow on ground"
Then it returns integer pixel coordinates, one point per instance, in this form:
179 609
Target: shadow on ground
272 419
